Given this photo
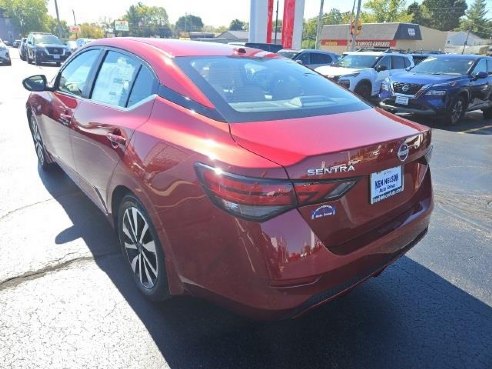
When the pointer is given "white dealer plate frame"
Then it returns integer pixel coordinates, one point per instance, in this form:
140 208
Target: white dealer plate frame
385 184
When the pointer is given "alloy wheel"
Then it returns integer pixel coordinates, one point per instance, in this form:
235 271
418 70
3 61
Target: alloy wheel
140 247
457 111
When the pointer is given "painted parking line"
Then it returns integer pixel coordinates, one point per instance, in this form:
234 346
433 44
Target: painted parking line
472 130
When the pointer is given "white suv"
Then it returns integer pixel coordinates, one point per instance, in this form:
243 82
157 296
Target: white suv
363 71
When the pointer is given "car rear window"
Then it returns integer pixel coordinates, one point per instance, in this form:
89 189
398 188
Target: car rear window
252 89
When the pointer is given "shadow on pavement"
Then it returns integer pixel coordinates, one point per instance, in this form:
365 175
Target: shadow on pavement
409 317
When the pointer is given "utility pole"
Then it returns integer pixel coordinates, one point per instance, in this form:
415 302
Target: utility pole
58 19
356 22
75 24
466 42
276 25
320 24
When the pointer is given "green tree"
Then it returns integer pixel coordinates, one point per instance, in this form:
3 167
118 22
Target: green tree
28 15
388 10
476 21
443 15
420 14
147 21
237 25
188 23
334 16
91 30
52 25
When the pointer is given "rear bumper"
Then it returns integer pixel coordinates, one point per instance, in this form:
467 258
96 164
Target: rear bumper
282 270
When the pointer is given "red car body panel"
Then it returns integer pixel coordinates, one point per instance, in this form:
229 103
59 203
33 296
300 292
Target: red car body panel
275 268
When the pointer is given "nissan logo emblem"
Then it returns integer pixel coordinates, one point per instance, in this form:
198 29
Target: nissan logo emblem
403 152
405 88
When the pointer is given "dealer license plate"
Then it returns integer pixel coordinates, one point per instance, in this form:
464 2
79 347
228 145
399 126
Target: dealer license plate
386 183
402 100
56 56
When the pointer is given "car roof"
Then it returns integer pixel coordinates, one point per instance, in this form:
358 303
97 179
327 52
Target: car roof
177 48
457 56
373 53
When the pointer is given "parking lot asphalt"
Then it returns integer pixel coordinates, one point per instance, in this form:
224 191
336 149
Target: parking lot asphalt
68 301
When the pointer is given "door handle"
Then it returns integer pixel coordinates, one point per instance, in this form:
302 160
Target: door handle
116 139
65 119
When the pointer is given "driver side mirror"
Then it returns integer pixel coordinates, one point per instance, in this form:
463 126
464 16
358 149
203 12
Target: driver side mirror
380 68
36 83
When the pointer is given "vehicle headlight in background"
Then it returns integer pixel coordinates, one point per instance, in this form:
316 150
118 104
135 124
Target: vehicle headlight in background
386 85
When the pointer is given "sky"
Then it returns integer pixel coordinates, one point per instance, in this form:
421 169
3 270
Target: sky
212 12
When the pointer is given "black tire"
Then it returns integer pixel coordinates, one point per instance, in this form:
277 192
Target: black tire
455 111
44 159
142 249
363 89
22 57
487 113
58 64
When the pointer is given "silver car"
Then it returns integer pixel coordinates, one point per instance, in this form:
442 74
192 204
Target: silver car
4 54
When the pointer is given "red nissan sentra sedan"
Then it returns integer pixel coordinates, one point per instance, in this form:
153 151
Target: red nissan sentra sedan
232 173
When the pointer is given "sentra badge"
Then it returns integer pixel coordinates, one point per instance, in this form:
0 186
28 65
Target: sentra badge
341 168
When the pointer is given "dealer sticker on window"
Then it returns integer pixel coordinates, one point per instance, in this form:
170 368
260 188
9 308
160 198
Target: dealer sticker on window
386 183
402 100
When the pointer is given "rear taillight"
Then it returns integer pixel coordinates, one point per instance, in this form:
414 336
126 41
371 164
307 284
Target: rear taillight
260 199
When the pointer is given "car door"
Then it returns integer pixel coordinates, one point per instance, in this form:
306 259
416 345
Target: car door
121 100
69 89
479 87
383 67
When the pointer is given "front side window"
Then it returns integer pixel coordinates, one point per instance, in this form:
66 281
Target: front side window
317 58
114 80
249 89
74 76
385 62
398 62
480 67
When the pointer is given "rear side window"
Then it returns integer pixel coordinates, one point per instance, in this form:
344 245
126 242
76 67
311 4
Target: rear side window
115 78
317 58
489 66
143 87
74 76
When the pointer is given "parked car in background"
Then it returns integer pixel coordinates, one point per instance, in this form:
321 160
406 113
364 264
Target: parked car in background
273 48
4 54
83 41
237 176
442 85
23 48
16 43
45 48
363 71
310 58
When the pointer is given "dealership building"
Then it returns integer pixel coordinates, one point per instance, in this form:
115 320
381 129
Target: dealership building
402 36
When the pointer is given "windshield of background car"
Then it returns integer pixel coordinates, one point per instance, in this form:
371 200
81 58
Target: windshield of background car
358 61
47 39
253 89
443 65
